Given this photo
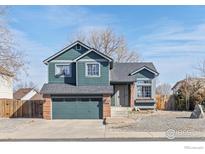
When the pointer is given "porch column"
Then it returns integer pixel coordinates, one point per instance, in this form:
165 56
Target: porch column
106 106
47 107
132 95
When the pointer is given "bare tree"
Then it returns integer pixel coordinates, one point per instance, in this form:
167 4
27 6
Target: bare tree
164 89
108 42
25 85
201 68
11 58
190 93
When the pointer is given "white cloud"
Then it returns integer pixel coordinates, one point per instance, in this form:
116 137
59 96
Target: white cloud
175 49
66 17
34 53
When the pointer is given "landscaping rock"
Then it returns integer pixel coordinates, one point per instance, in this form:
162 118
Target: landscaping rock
198 112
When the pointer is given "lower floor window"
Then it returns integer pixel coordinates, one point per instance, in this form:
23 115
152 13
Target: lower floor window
144 91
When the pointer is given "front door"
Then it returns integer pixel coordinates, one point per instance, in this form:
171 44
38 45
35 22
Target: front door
121 95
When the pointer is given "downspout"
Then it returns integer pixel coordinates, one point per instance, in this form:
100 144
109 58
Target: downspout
76 69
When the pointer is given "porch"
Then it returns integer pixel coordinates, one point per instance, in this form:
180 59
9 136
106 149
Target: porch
124 96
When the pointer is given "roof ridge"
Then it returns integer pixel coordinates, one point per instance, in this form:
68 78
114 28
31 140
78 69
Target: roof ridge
64 50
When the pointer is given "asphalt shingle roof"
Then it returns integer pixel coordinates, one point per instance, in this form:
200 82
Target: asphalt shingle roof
121 71
72 89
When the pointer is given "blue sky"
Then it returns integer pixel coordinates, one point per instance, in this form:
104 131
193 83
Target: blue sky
172 37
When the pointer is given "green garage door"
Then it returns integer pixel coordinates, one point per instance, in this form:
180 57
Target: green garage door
76 108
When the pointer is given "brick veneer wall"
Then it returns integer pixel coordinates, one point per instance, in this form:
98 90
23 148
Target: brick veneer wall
106 106
47 107
132 95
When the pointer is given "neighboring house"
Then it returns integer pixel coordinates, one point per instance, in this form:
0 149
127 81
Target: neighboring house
177 86
27 94
6 84
84 83
189 80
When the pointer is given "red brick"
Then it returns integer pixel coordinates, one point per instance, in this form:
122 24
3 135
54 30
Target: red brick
47 107
132 95
106 106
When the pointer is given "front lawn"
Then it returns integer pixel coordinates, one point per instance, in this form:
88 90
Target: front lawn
157 121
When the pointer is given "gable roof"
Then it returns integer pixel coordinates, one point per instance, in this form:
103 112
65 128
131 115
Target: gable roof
20 93
97 52
4 71
64 50
144 67
121 72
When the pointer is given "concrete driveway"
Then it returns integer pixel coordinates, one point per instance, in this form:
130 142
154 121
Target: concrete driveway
47 129
160 125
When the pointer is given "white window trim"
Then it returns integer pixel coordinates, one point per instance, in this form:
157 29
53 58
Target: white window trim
144 97
67 64
86 70
144 67
144 84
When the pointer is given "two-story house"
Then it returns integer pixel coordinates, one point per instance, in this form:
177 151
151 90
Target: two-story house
84 83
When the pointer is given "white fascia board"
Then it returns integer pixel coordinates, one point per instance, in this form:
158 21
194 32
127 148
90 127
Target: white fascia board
65 49
144 67
92 50
92 60
62 61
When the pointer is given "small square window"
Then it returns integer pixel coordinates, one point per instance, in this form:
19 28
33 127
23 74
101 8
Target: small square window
78 47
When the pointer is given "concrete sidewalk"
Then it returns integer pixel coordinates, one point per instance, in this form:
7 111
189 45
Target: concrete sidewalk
68 130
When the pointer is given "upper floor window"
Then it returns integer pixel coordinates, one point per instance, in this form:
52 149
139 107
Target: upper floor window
78 47
92 69
63 70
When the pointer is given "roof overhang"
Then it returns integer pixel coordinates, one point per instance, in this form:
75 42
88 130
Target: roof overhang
67 89
144 67
121 82
64 50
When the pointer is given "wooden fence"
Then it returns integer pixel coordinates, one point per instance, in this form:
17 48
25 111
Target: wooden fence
10 108
161 102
